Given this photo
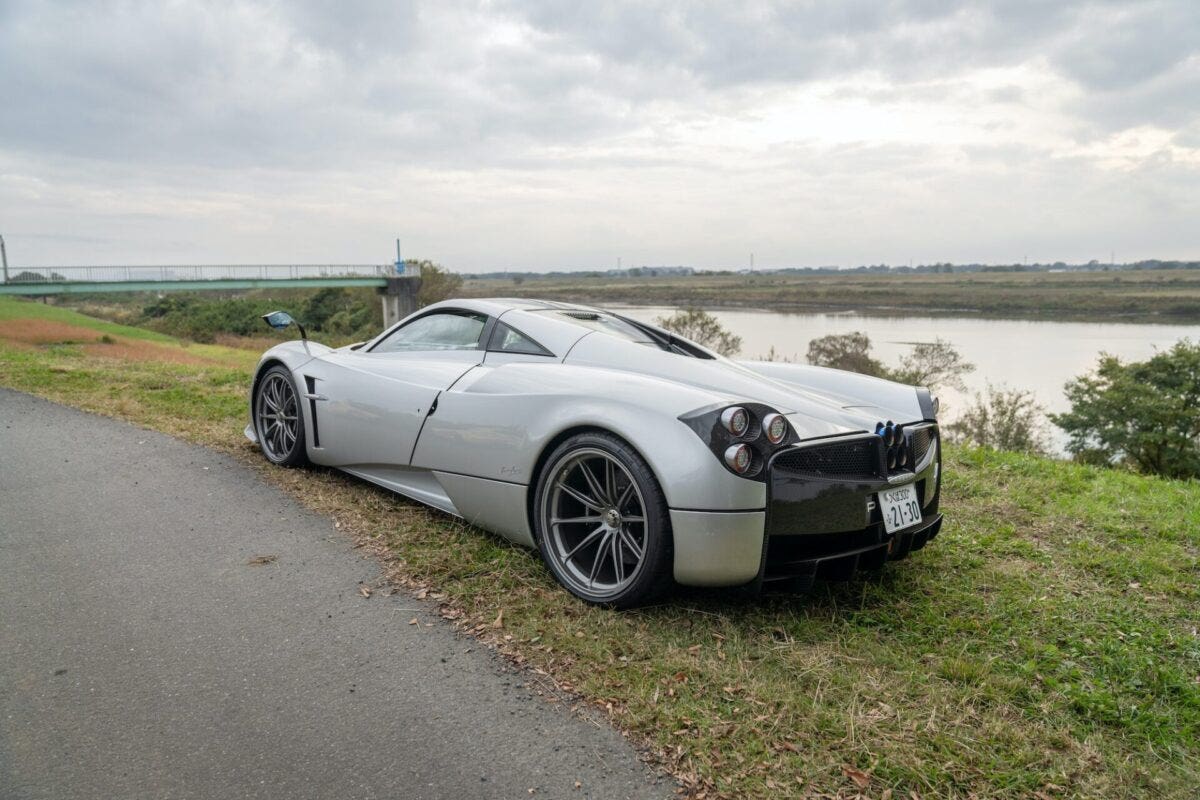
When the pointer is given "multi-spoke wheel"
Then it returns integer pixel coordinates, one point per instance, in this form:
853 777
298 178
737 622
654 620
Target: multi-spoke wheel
277 418
602 521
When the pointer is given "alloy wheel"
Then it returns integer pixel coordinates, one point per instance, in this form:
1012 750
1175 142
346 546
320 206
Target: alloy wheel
595 520
277 415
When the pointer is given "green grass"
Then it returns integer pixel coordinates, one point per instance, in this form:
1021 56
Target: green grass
1045 642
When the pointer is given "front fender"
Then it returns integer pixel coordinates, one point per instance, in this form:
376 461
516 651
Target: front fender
293 355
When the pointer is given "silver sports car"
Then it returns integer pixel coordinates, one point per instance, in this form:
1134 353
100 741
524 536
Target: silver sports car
628 456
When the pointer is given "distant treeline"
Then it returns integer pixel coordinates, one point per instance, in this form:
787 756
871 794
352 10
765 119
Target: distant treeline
943 268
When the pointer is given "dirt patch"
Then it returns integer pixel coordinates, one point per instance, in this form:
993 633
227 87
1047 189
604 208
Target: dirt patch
256 343
137 350
41 331
33 332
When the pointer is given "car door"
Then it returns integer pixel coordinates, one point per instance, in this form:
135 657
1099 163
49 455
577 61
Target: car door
367 407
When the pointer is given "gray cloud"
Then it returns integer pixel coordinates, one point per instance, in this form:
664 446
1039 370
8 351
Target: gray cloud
177 121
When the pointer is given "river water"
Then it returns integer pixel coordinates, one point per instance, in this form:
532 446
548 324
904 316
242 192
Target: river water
1033 355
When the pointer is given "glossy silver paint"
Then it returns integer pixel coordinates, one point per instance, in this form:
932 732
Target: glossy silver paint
498 414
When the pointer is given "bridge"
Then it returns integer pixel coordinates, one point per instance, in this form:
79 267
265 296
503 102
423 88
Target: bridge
41 281
396 283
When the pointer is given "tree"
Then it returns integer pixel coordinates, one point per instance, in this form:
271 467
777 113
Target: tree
1003 419
932 364
848 351
437 284
1145 413
702 328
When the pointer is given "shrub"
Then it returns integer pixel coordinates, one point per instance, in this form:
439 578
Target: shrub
848 351
931 364
437 284
702 328
1003 419
1145 414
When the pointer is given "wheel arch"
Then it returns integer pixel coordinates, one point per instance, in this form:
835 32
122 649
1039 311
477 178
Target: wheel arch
552 444
263 366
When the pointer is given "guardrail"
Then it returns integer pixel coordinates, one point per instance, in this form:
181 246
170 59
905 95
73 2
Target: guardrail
36 275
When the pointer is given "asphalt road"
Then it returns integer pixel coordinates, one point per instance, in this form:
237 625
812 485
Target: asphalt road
141 656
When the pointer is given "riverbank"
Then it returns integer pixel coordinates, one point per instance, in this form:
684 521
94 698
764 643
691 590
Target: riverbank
1169 296
1043 643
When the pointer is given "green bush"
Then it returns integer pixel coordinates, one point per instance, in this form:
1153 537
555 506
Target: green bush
1003 419
1145 414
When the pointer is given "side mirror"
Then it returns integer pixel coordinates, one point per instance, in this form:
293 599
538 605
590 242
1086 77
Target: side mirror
280 320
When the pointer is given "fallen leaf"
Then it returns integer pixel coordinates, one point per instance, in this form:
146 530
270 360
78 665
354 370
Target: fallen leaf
364 590
258 561
499 623
861 779
420 595
791 748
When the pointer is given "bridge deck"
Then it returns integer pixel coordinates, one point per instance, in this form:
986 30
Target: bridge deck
86 280
226 284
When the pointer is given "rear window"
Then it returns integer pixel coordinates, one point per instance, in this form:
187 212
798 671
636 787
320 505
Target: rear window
605 323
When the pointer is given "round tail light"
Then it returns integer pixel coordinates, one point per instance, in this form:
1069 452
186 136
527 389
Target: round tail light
775 428
739 457
736 420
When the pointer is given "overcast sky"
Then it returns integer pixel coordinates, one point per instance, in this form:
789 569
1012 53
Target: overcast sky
539 135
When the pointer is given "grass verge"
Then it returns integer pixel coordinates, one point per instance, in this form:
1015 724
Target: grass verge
1044 645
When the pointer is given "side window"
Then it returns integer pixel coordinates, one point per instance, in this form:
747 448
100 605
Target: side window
509 340
447 330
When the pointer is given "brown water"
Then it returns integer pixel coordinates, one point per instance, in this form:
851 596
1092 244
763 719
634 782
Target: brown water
1039 356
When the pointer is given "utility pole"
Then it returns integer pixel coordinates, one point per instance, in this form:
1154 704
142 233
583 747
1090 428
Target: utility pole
4 258
752 262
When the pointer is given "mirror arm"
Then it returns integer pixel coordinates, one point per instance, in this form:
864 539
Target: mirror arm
303 333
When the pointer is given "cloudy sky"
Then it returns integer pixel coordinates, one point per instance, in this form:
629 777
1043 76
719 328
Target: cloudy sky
540 135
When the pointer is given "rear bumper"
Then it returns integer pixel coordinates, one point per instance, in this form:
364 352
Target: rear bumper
717 548
825 525
815 525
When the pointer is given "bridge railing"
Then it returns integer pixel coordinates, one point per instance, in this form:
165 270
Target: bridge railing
197 273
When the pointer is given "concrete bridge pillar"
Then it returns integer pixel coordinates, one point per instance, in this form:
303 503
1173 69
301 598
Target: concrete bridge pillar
399 298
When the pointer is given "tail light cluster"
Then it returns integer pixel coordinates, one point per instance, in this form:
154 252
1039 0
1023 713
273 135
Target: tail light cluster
744 436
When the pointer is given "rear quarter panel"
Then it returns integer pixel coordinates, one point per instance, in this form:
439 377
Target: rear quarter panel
497 422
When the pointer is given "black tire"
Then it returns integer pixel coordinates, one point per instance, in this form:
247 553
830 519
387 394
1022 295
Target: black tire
592 524
279 418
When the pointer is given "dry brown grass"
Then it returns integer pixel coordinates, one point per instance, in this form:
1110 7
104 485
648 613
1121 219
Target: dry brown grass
95 343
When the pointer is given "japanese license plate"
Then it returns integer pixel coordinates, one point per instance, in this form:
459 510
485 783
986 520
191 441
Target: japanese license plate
900 508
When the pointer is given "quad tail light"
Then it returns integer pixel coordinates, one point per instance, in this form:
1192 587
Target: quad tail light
744 437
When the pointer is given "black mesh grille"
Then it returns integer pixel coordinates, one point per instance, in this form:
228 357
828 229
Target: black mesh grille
860 457
919 444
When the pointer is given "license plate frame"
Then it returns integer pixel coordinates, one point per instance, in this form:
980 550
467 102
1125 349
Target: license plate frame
900 507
